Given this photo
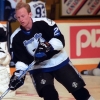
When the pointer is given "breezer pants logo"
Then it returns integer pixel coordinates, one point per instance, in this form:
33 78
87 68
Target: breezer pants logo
74 84
85 41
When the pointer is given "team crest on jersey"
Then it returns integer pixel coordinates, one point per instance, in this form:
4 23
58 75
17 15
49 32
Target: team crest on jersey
32 44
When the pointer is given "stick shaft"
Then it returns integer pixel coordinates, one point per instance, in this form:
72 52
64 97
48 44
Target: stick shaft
4 93
31 65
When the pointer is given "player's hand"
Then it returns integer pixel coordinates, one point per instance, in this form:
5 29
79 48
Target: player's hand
42 50
15 83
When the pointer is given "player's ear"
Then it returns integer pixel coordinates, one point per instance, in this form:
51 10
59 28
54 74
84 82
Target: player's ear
30 14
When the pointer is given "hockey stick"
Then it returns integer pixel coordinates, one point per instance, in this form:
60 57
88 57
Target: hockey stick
30 66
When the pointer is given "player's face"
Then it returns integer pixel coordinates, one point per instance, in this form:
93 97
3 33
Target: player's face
23 17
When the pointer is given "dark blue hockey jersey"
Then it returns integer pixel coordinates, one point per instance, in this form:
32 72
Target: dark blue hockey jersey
24 43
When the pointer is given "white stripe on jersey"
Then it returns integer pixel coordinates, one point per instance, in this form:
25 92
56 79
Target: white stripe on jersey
47 20
54 61
14 33
38 9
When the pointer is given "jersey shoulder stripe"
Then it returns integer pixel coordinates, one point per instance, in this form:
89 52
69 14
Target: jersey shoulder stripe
47 20
14 33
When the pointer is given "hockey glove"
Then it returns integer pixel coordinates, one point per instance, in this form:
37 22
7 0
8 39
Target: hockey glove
42 50
15 83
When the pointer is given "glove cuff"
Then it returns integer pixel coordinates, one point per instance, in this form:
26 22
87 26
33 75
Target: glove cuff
18 73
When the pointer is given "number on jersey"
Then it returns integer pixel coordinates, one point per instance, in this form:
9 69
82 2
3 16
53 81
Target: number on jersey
40 11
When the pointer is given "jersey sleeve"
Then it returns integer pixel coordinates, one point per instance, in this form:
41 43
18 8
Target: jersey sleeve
52 33
19 52
20 56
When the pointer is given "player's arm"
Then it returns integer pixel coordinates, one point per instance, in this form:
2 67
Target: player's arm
54 43
21 64
15 82
53 33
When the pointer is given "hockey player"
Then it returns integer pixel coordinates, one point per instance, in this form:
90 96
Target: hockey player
4 54
38 8
40 39
4 62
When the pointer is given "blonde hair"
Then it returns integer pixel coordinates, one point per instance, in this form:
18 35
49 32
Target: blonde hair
21 5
